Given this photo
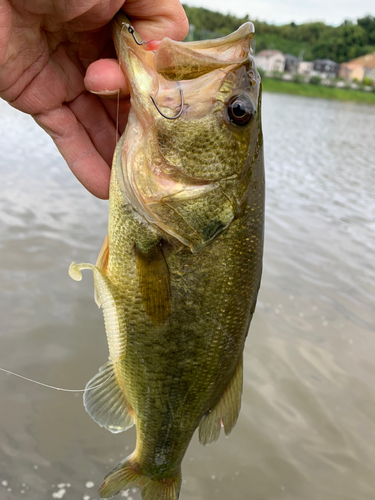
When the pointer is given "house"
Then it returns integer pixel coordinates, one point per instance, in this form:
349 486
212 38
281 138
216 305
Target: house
291 63
270 60
305 68
325 68
351 71
359 68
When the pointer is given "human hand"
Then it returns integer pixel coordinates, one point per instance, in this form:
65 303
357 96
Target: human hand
45 50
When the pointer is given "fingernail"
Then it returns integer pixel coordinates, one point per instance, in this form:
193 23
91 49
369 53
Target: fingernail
106 92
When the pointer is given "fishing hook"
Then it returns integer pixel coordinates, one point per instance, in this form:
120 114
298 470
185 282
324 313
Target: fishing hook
131 30
181 106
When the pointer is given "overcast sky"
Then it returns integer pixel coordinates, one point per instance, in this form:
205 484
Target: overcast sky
285 11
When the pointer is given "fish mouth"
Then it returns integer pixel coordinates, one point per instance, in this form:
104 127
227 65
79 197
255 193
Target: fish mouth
152 74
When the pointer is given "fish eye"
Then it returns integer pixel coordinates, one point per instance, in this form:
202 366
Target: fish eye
241 109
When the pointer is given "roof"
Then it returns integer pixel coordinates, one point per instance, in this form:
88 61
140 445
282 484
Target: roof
291 56
350 65
325 61
269 53
367 61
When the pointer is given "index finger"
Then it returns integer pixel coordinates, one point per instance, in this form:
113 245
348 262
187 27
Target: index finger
158 19
153 20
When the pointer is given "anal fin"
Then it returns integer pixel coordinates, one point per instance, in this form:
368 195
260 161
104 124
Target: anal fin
225 412
106 403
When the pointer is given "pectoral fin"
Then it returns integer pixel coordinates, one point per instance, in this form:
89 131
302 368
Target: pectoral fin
106 404
153 277
225 412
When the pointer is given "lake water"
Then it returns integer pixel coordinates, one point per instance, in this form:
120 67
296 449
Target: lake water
307 425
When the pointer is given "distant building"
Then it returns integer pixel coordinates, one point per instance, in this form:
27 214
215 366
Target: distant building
359 68
305 68
291 63
325 68
270 60
351 71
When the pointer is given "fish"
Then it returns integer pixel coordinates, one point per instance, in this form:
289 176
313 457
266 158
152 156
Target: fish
179 272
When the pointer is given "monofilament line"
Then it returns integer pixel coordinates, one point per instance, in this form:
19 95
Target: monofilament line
53 387
118 94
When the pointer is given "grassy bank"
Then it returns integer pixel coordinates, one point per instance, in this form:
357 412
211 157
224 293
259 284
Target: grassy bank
309 90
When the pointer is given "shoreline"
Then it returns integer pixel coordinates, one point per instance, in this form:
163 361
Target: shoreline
321 91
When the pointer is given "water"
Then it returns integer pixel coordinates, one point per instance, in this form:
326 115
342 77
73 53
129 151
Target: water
307 426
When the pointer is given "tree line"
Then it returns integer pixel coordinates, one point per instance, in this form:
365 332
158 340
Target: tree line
315 40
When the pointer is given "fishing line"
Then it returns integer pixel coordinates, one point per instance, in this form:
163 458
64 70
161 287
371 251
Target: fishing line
118 93
118 108
53 387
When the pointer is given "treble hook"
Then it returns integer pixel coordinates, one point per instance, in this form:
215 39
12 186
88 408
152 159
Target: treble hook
181 108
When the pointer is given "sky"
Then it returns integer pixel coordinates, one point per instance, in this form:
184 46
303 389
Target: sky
285 11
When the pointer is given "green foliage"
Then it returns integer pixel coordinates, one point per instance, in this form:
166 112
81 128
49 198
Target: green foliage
368 24
208 24
315 80
305 89
298 78
345 42
367 82
277 75
275 42
313 40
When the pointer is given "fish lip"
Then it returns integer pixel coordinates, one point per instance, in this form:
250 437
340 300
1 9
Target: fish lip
244 30
119 22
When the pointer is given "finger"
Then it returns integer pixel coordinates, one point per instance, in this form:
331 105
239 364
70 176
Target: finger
101 129
76 147
58 80
118 110
105 77
158 19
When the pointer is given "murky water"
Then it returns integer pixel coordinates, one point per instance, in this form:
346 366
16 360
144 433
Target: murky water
307 426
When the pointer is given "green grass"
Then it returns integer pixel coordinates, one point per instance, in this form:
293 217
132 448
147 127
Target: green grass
309 90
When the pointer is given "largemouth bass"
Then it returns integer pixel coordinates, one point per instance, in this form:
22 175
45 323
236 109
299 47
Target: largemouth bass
179 273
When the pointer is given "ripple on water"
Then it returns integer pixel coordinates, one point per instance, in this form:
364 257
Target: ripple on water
308 415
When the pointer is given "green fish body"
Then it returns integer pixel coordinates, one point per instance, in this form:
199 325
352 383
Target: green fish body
178 275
